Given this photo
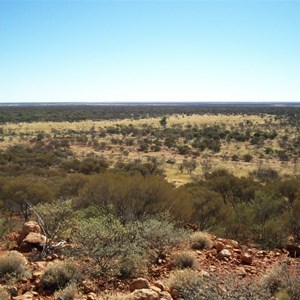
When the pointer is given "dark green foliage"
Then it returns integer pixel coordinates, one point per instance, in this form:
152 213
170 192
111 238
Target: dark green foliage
129 201
184 150
265 174
71 185
163 121
247 158
260 221
89 165
71 113
209 211
283 156
153 167
232 189
18 193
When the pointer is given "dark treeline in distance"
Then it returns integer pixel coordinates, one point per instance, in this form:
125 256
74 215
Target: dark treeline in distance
72 112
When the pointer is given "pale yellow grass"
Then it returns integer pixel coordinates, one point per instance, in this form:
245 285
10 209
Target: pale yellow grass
47 127
172 172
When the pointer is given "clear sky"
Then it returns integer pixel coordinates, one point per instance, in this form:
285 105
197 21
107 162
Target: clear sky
149 51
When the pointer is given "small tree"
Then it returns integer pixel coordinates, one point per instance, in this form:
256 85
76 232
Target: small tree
163 121
18 193
209 211
54 219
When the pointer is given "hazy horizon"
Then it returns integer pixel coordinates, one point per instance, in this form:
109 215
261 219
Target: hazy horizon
149 51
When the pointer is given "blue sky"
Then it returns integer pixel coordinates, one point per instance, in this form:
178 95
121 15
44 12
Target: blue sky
149 51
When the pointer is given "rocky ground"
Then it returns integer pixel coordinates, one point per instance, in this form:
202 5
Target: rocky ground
226 258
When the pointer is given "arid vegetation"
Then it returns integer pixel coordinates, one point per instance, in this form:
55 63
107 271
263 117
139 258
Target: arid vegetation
112 194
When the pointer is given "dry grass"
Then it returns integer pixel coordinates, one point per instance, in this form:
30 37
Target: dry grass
206 119
218 160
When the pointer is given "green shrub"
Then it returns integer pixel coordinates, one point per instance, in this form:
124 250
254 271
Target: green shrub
281 280
56 217
115 247
260 221
208 209
107 242
201 240
185 260
186 284
13 263
129 201
58 275
160 234
274 233
247 158
71 185
68 293
265 174
19 192
133 266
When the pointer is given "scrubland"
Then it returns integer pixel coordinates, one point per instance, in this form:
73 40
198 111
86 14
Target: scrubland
115 194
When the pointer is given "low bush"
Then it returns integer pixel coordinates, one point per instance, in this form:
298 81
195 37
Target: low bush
68 293
133 266
56 217
201 240
108 243
116 248
247 158
185 260
14 264
59 274
186 284
281 281
160 234
265 174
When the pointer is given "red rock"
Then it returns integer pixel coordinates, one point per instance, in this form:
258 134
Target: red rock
30 226
88 287
160 285
219 246
33 240
165 296
239 251
144 294
91 296
242 272
247 258
139 283
225 254
214 252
